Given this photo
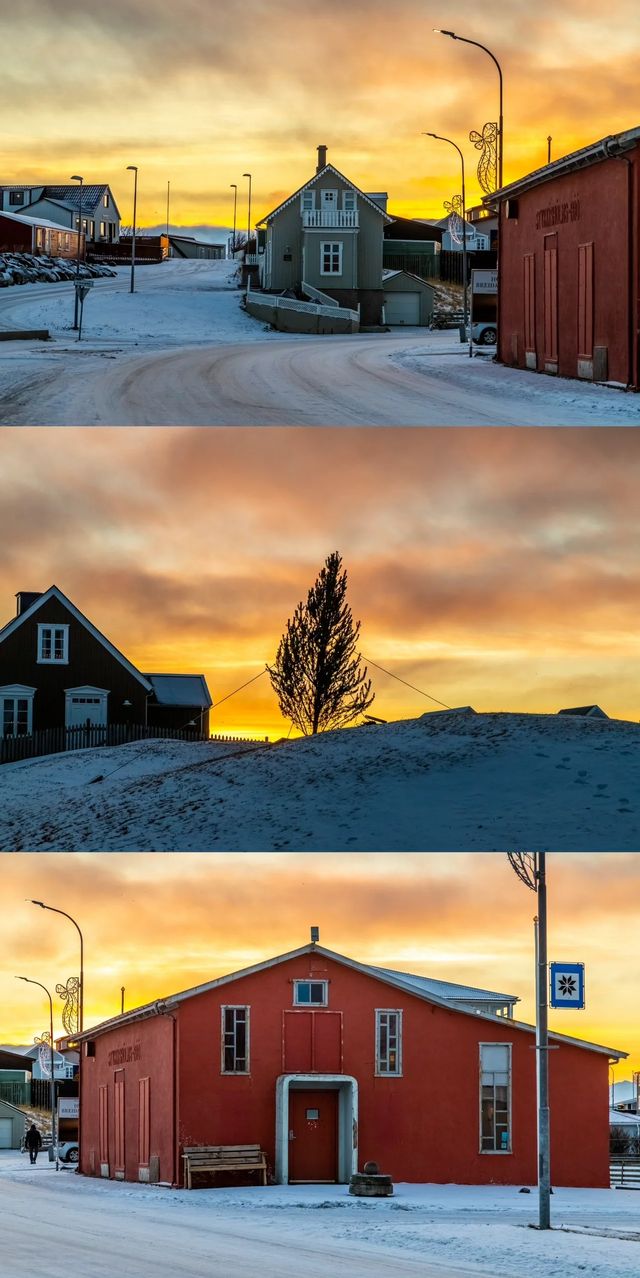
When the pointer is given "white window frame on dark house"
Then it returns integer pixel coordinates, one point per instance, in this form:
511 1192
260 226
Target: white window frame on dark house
349 201
331 257
235 1039
389 1042
317 993
47 642
308 201
13 694
495 1111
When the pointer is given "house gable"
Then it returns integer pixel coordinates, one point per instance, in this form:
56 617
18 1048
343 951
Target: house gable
53 593
328 169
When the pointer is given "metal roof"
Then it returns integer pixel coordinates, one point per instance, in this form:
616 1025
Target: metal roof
386 975
35 221
606 149
91 195
448 989
180 690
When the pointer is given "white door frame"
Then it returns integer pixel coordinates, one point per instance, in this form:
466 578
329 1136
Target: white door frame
347 1089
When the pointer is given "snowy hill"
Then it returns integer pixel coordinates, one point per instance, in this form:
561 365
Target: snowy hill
444 782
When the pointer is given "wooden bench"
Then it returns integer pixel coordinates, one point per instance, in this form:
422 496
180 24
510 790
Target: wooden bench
218 1158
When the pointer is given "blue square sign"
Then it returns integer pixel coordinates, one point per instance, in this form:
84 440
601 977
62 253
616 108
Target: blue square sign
566 985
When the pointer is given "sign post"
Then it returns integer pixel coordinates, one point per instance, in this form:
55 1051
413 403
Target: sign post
82 290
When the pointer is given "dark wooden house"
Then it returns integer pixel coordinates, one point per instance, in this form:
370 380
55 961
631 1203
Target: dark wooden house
58 670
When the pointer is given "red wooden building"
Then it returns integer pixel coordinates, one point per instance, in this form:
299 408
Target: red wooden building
327 1063
568 265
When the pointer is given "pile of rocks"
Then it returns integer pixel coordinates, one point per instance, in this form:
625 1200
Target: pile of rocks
25 268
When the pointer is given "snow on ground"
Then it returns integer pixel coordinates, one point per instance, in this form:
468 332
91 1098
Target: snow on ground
444 782
59 1222
181 351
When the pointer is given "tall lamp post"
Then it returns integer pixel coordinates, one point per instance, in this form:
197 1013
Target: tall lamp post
530 868
234 188
64 914
248 175
133 168
439 138
76 322
52 1085
463 39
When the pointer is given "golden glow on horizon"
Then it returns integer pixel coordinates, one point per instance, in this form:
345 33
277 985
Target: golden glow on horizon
488 567
202 109
159 924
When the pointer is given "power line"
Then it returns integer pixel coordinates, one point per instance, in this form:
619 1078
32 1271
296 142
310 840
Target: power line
407 685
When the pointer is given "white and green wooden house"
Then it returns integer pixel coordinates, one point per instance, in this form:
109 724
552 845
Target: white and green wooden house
327 236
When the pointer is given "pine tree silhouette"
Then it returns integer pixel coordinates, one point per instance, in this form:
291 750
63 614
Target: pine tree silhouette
317 675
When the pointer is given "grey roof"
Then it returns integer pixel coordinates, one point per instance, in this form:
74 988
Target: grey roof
91 195
448 989
387 975
32 221
614 144
180 690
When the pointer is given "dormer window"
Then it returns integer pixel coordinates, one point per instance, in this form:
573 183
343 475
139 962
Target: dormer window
53 645
310 993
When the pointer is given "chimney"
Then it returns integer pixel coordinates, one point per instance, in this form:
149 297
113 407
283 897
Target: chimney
25 598
322 159
315 935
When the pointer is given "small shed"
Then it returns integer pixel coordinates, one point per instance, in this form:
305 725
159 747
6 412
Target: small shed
12 1125
585 712
408 300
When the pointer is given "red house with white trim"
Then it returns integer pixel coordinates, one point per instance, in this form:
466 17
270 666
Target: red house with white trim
326 1063
568 265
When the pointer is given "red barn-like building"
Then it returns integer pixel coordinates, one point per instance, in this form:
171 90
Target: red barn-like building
568 265
326 1063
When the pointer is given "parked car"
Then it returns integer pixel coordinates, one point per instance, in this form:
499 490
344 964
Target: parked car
484 333
68 1151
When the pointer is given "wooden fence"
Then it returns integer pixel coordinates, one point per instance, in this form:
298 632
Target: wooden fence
625 1172
58 740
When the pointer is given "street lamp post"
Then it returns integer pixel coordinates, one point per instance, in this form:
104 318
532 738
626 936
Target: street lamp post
52 1084
168 199
76 322
530 868
234 188
133 168
248 175
464 234
463 39
53 910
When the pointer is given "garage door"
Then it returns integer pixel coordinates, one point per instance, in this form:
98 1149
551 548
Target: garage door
402 308
6 1133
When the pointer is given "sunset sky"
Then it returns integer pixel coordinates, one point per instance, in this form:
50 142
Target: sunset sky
496 568
199 93
158 924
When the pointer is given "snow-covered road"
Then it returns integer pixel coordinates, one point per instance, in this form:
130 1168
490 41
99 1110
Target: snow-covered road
57 1222
181 351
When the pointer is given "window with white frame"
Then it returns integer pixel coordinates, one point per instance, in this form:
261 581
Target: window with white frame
53 645
495 1098
349 201
16 710
308 201
388 1041
331 257
235 1040
310 993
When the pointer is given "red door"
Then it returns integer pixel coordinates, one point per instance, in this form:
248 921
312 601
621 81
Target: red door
313 1136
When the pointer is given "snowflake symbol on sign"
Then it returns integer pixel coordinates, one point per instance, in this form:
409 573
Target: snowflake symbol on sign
567 985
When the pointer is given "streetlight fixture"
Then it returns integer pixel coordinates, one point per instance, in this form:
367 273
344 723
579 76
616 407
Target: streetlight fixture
133 168
64 914
530 868
464 40
234 187
52 1085
75 177
248 175
439 138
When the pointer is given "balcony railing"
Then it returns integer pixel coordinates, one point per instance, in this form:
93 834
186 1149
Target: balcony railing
330 217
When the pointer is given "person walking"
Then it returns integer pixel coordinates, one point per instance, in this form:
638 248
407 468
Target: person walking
33 1142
